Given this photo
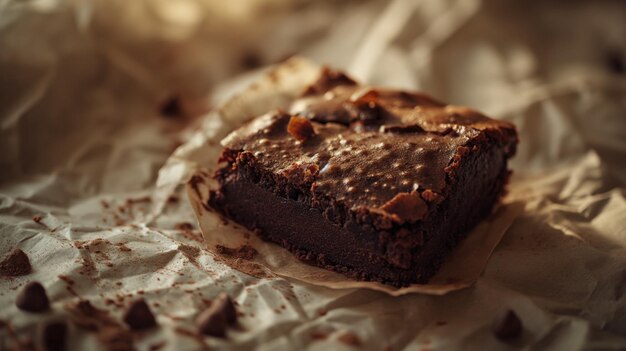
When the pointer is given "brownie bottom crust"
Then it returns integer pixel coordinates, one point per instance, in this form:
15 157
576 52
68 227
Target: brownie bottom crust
361 251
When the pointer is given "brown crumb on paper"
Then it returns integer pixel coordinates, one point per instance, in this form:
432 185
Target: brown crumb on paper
111 334
350 339
157 346
245 252
16 263
318 335
238 259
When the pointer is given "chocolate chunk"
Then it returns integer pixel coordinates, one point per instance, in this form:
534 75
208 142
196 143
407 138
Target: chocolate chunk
300 128
54 335
406 207
328 79
215 319
138 316
32 298
15 263
507 326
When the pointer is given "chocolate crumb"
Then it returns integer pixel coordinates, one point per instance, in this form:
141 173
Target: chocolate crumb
173 199
116 339
109 332
37 219
172 108
251 60
318 335
183 226
32 298
350 339
300 128
54 335
245 251
615 62
138 200
157 346
215 319
507 326
15 263
138 316
328 79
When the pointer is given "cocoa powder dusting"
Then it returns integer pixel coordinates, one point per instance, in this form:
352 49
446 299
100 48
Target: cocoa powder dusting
187 230
15 264
238 259
245 252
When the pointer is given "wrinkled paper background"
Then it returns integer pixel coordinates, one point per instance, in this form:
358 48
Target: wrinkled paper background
81 83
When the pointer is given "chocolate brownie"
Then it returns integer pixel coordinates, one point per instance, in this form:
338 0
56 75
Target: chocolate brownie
377 184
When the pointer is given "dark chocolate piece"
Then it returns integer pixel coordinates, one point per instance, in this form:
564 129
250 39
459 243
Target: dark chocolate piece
507 326
138 316
215 320
54 335
382 187
32 298
15 263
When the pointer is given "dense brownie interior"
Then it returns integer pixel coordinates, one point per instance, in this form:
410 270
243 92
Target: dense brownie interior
378 184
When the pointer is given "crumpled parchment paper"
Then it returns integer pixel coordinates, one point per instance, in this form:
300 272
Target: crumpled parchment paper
82 145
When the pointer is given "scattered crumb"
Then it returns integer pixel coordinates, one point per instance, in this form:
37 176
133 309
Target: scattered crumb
138 200
157 346
16 263
350 339
245 252
318 335
67 279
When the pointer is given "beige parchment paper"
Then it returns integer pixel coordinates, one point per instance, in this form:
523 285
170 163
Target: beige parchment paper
85 147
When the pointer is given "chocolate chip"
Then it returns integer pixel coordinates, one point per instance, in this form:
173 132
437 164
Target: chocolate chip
32 298
172 108
138 316
54 335
507 326
215 319
300 128
15 263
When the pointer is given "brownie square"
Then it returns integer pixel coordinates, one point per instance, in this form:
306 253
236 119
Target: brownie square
375 183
